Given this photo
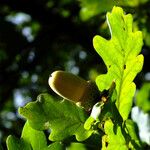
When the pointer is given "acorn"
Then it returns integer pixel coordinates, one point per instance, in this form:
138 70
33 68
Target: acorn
74 88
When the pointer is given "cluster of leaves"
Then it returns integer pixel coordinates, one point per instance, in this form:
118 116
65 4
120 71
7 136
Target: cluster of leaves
144 95
91 8
111 129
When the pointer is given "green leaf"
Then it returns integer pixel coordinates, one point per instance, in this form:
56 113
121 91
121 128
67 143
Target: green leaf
143 97
14 143
36 138
55 146
132 130
89 122
77 146
31 139
120 54
118 137
90 8
114 139
94 116
64 118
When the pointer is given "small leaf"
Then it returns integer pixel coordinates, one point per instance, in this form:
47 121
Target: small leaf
143 97
14 143
36 138
132 130
120 54
114 138
89 122
31 139
64 118
118 137
90 8
94 116
77 146
55 146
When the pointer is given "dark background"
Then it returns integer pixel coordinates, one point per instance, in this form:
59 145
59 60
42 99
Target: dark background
38 37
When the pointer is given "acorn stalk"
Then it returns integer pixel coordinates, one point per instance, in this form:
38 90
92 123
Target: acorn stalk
74 88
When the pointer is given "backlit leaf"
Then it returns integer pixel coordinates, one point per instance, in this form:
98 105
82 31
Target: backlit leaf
120 54
64 118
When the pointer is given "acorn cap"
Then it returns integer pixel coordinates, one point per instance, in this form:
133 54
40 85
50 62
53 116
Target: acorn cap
91 95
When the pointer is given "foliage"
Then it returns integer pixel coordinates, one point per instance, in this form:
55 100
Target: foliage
47 113
31 139
125 46
108 123
144 95
90 8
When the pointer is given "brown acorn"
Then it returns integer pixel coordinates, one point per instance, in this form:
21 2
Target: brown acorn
74 88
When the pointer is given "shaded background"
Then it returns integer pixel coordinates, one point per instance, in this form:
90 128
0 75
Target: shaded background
40 36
